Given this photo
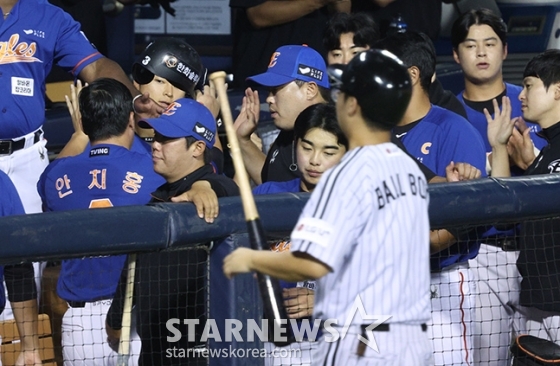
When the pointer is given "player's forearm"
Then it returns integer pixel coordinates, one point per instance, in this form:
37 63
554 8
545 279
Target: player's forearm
286 266
253 158
341 6
106 68
26 317
382 3
500 162
275 12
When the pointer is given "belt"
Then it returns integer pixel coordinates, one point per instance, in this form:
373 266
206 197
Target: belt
77 304
7 147
380 328
386 327
507 244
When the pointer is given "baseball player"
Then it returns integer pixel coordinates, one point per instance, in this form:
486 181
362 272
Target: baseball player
296 78
185 133
364 232
538 260
480 47
154 77
436 137
320 144
20 284
34 35
107 174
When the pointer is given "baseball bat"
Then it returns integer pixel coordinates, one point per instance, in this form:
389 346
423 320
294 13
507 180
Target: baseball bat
124 345
271 293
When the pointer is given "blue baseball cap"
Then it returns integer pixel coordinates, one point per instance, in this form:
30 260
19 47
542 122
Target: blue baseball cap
182 118
289 63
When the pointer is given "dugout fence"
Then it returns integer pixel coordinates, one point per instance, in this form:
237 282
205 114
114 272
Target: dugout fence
469 209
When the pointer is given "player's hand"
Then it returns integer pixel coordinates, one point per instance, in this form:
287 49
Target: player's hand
204 199
500 127
456 172
74 106
299 302
29 358
209 99
246 123
520 146
146 107
239 261
113 337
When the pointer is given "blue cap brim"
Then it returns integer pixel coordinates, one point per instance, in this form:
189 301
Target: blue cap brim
162 127
271 79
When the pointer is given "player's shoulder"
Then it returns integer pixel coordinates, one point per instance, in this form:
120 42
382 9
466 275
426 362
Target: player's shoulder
513 90
445 119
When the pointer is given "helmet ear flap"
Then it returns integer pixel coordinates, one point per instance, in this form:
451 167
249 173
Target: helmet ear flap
141 75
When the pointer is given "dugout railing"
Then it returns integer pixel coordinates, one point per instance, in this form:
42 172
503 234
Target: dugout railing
72 234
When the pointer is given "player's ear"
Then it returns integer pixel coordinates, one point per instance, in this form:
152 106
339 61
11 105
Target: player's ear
456 56
198 148
131 121
311 90
352 106
556 87
414 73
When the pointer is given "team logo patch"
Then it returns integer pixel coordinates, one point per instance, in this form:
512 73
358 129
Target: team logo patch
171 109
273 59
99 151
554 167
426 148
310 72
171 62
314 230
203 132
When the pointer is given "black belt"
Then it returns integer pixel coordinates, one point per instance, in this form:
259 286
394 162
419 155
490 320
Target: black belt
77 304
385 328
507 244
7 147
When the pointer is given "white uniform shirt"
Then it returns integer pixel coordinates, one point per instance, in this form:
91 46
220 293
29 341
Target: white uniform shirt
368 220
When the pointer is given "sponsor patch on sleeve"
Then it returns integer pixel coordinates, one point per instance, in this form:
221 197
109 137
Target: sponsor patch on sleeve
314 230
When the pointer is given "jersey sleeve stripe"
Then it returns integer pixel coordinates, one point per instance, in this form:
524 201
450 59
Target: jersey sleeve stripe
77 67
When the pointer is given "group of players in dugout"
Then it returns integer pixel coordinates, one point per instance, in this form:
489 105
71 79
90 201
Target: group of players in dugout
379 115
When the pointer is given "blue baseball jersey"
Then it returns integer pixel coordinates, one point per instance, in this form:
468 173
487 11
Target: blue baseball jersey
10 204
441 137
436 140
33 37
102 176
478 119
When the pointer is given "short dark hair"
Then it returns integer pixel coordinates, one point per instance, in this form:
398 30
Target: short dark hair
482 16
207 152
323 116
105 105
414 49
545 66
365 30
325 93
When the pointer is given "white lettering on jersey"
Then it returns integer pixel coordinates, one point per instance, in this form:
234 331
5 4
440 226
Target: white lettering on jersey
22 86
313 229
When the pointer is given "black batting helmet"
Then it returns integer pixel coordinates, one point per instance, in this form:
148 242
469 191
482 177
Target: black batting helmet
172 59
379 81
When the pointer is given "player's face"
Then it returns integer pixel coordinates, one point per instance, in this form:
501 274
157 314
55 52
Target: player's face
162 91
171 158
285 103
316 152
481 55
346 52
538 103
